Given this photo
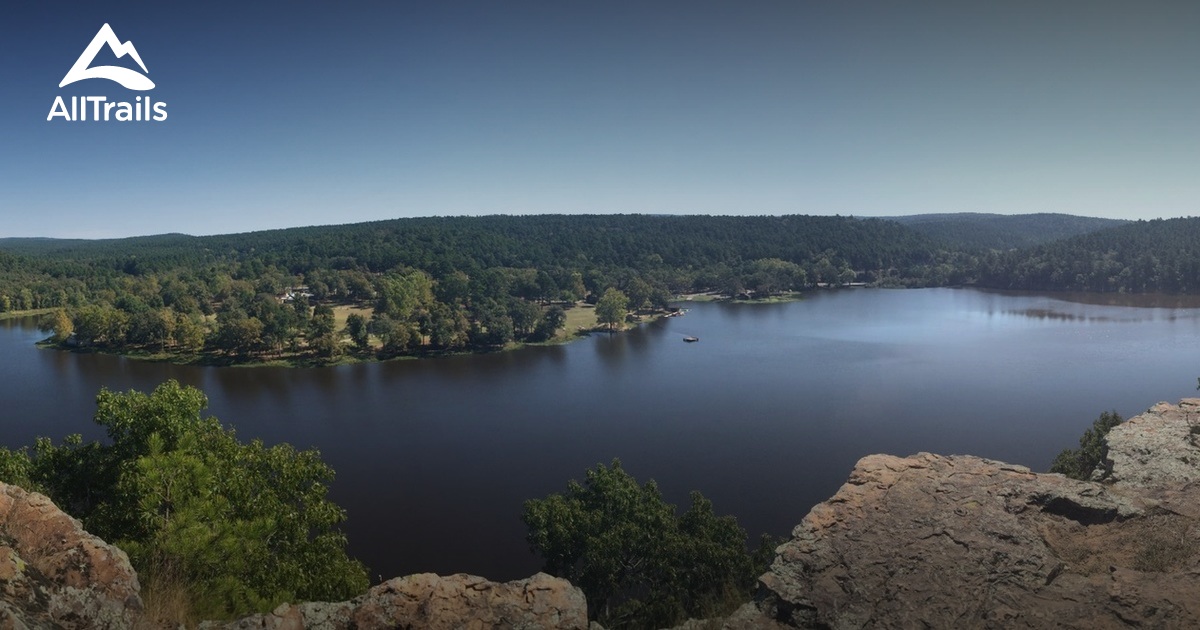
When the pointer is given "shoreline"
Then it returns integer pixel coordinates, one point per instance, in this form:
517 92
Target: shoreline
210 359
27 313
786 296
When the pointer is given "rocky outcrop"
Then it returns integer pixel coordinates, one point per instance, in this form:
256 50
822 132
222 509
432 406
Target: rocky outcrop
53 574
953 542
430 601
921 541
1158 449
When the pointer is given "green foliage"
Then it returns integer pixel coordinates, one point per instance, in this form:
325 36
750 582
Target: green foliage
611 308
1159 256
1003 231
553 319
244 526
1082 463
640 564
323 337
445 283
59 324
356 329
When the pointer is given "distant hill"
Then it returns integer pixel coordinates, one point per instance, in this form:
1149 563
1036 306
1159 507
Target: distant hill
44 246
579 242
972 230
1159 256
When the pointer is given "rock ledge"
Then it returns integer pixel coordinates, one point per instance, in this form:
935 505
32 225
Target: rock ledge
952 542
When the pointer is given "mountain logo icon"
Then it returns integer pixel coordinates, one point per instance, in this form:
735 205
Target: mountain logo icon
130 79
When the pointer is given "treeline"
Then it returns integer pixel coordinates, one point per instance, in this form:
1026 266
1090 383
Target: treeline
978 231
433 284
1159 256
403 310
436 244
445 284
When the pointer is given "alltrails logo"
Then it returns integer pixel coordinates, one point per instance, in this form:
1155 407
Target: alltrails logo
99 107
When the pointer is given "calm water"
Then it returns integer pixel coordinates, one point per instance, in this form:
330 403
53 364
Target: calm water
766 415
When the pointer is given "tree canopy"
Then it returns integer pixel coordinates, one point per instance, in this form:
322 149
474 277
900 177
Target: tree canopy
438 284
639 562
611 308
243 526
1085 461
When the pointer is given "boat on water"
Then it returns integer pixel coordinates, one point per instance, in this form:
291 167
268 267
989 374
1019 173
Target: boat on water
691 339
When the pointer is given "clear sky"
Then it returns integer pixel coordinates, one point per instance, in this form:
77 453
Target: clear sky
299 113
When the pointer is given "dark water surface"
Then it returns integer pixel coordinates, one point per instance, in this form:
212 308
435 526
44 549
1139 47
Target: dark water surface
766 415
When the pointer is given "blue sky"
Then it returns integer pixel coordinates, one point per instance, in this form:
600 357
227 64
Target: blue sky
299 113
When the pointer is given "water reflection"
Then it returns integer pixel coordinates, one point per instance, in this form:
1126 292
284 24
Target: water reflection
1134 300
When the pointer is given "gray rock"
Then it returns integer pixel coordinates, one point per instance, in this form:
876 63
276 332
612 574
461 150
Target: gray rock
1158 449
954 542
434 602
53 574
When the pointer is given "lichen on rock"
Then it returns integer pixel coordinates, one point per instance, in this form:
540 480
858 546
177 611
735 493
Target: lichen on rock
959 541
55 574
434 602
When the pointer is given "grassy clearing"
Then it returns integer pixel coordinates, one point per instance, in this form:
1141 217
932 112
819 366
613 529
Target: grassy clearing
343 312
774 299
702 297
580 318
29 313
790 296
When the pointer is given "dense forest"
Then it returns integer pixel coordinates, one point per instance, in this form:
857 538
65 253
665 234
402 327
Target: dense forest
1160 256
441 284
970 230
432 284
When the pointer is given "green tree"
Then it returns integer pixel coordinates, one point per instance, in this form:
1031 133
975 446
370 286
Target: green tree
553 319
525 316
493 325
611 308
639 292
58 323
152 326
322 322
640 564
323 337
1083 462
448 327
356 328
189 332
243 527
238 333
397 337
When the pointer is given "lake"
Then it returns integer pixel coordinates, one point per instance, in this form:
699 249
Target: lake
766 414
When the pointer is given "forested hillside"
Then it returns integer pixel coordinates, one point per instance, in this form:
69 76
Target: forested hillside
1146 256
452 283
506 241
434 284
971 230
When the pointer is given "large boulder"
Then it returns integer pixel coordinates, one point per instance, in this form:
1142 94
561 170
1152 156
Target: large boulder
53 574
433 602
954 542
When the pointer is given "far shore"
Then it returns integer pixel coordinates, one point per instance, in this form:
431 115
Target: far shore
786 296
26 313
581 322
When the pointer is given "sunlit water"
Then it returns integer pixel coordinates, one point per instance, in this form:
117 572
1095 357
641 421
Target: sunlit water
766 415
